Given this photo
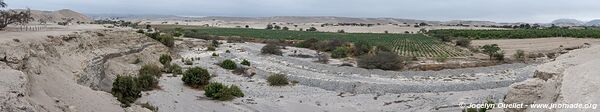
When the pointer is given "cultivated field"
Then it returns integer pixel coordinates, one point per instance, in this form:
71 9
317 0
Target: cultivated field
416 45
510 46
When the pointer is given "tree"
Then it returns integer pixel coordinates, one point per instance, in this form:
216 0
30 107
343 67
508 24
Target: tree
491 49
8 17
2 4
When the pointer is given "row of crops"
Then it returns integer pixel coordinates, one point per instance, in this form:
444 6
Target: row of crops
518 33
417 45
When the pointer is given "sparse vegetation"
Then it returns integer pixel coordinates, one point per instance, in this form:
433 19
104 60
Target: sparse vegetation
147 82
126 90
381 60
196 77
277 80
409 45
245 62
221 92
271 49
340 52
150 69
228 64
165 59
210 48
520 55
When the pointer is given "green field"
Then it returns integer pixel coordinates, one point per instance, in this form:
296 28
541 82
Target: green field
416 45
518 33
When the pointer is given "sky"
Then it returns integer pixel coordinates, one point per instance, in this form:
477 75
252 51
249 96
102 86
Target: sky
534 11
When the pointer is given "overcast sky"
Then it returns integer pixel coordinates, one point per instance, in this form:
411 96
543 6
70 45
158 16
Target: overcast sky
441 10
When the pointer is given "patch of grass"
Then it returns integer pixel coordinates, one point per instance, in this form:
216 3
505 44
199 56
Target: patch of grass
277 80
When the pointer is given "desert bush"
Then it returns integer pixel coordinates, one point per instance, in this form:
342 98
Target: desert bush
311 29
215 43
498 56
146 82
463 42
227 51
150 70
322 58
271 49
360 48
126 90
269 27
381 60
210 48
221 92
196 77
277 80
228 64
285 28
165 59
245 62
167 40
520 55
215 54
140 31
175 69
309 43
341 31
340 52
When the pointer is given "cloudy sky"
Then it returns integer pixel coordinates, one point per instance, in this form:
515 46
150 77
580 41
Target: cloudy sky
441 10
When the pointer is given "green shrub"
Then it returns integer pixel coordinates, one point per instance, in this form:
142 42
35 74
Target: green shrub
175 69
277 80
271 49
228 64
340 52
167 40
215 43
150 70
245 62
196 77
520 55
381 60
215 54
146 82
220 92
227 51
165 59
125 89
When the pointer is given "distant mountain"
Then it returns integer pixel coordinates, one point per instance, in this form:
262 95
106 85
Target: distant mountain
567 22
595 22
